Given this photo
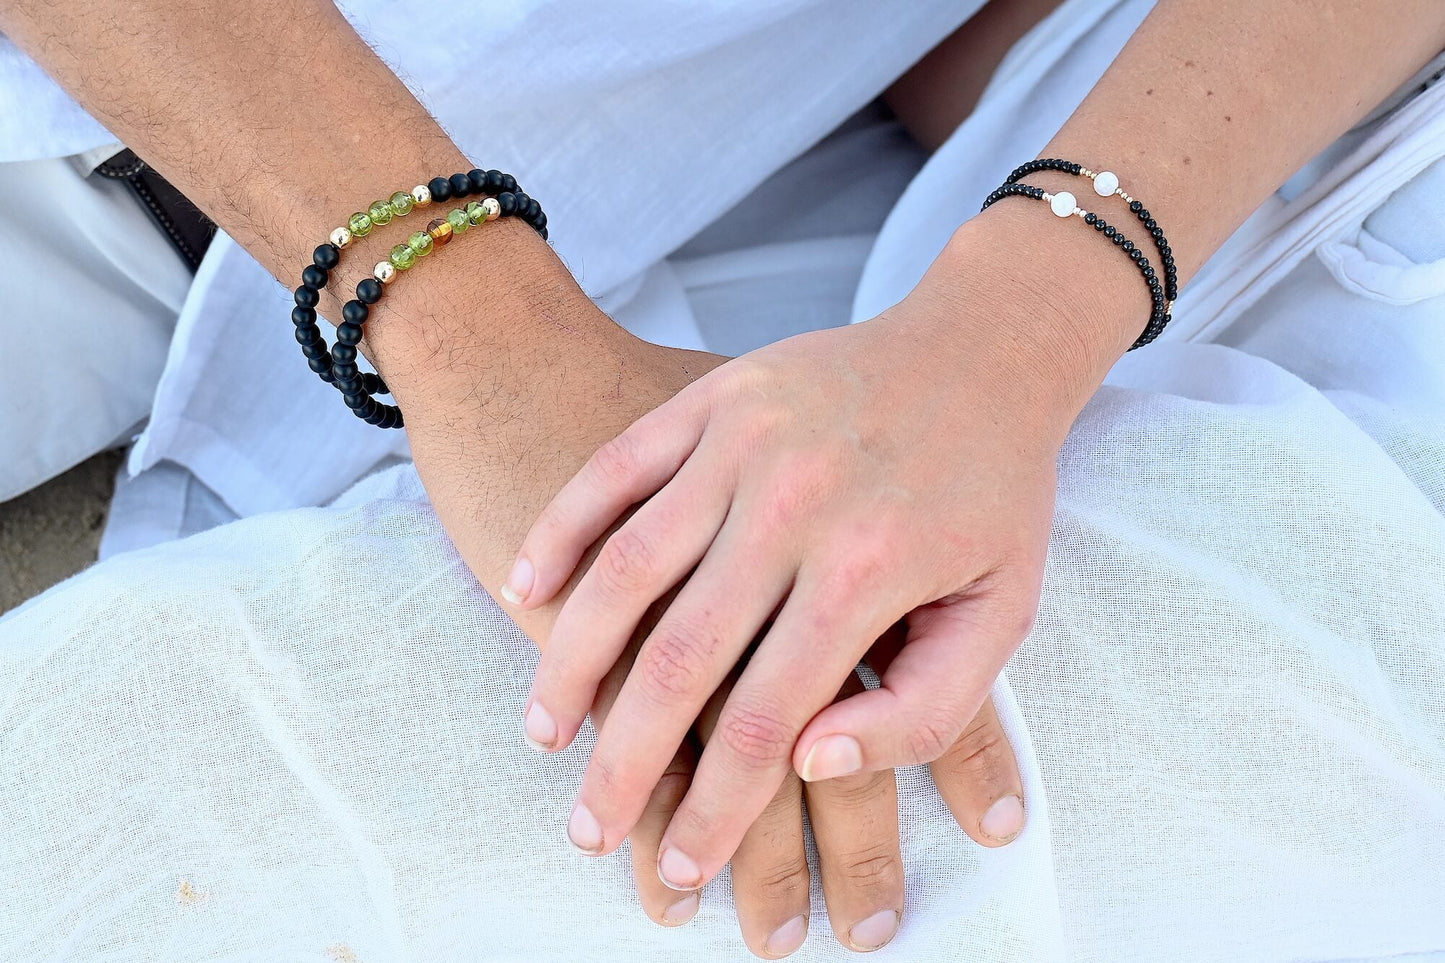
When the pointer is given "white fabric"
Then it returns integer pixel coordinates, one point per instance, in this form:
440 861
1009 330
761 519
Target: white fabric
1229 715
86 312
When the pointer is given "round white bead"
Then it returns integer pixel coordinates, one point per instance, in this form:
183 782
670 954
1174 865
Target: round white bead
1063 203
384 272
421 195
341 237
492 207
1106 183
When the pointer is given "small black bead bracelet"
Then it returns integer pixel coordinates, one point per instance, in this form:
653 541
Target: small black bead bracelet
1063 204
336 365
1106 184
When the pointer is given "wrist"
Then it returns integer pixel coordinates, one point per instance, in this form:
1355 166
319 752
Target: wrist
1065 302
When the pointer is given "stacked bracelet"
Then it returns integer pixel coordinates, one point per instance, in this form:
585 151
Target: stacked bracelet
336 365
1106 184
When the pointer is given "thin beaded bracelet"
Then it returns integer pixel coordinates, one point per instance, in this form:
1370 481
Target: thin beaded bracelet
1064 204
1106 184
337 365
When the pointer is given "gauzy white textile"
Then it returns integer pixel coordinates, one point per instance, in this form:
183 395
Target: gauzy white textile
296 737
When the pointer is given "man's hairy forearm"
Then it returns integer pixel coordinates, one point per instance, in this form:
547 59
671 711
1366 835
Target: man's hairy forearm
278 121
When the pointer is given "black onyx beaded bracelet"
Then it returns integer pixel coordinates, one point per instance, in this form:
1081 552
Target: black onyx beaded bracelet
1106 184
1064 205
336 365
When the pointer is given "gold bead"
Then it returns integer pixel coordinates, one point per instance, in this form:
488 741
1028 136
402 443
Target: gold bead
421 195
341 237
440 230
492 207
384 272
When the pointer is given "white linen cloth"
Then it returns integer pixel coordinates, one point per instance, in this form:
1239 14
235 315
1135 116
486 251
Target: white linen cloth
1228 716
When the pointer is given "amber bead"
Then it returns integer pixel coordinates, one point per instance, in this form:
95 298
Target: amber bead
440 230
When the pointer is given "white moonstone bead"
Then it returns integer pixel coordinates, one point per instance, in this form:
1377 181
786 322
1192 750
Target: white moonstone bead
492 207
1106 183
421 195
341 237
384 272
1063 203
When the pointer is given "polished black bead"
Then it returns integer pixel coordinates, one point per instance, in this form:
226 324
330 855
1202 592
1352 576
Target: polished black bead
327 376
320 363
1109 231
348 332
1135 206
441 189
508 203
355 311
307 334
307 297
543 232
1150 223
316 277
1118 238
1090 217
345 371
533 209
493 185
1149 273
355 399
461 185
477 179
1157 233
539 220
364 410
368 291
373 384
1128 245
519 202
509 183
326 256
300 315
343 353
316 349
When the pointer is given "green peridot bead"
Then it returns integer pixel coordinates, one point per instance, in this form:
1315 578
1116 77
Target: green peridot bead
380 212
475 214
420 243
401 203
402 257
359 224
458 220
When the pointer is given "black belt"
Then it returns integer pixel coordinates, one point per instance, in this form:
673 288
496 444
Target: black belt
189 230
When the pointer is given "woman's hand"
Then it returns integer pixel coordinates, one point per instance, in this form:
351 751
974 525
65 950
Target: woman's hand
491 461
833 483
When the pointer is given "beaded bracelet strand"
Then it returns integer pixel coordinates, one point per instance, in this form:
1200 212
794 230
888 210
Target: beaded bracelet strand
337 365
1106 184
1064 204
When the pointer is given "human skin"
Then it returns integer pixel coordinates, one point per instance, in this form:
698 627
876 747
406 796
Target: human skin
824 487
501 381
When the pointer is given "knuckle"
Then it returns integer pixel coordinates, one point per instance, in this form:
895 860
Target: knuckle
755 734
628 562
929 738
876 865
617 462
982 750
852 794
672 662
783 882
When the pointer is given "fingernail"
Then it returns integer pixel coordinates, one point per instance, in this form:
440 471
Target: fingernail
874 932
832 756
681 911
1004 819
584 830
677 870
519 584
540 727
787 938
